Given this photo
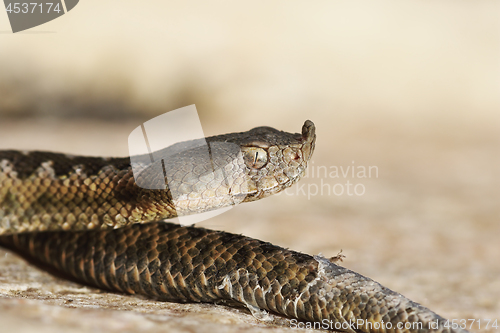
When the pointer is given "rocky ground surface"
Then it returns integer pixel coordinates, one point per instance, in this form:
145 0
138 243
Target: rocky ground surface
426 226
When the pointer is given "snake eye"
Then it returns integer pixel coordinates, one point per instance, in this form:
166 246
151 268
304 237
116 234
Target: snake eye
255 158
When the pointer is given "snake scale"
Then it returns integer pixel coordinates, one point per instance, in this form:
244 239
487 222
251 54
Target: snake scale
88 218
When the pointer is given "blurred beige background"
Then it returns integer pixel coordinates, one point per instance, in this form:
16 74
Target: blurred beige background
409 87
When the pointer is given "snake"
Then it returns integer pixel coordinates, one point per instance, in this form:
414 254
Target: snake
89 218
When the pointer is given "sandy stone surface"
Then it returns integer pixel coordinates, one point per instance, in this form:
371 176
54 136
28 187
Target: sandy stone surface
408 90
427 226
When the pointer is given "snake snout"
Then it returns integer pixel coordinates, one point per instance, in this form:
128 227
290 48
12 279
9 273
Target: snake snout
308 139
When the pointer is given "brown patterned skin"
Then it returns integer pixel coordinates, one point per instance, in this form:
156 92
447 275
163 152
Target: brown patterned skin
42 191
187 264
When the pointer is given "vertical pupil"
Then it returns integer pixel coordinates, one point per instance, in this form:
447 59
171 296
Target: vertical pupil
256 155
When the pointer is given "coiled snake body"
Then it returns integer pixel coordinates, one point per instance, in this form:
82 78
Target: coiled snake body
88 218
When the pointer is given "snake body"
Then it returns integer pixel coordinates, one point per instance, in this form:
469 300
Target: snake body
88 218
